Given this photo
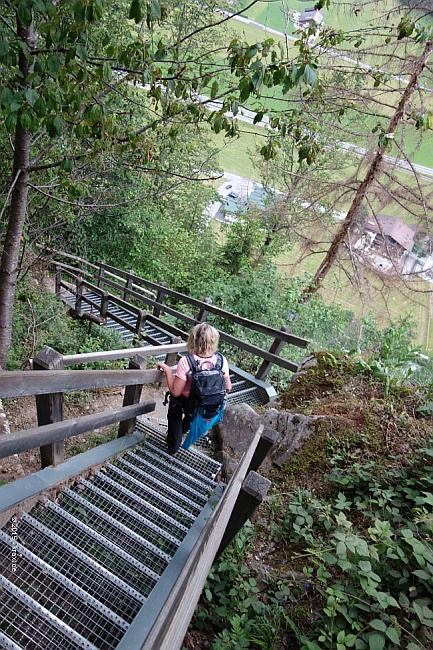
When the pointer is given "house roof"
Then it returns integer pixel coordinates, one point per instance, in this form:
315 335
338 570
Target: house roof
259 198
310 16
392 227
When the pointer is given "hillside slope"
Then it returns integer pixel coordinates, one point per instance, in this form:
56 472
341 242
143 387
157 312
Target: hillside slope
340 555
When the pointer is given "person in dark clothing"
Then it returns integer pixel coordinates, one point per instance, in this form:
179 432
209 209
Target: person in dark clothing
202 344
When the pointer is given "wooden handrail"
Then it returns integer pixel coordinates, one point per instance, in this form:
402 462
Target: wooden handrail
20 383
14 443
200 304
127 353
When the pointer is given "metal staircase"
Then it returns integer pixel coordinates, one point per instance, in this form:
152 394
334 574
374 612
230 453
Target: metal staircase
80 564
158 335
245 388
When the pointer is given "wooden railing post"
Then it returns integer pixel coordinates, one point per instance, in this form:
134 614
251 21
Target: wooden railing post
78 295
101 273
132 396
267 439
253 491
141 321
275 348
204 313
58 279
50 407
105 298
159 298
170 360
128 285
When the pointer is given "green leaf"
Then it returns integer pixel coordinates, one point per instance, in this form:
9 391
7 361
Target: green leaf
377 624
245 88
11 122
53 66
214 90
350 640
94 113
156 12
217 123
423 575
310 75
393 635
31 96
59 124
24 13
364 565
221 611
136 11
106 71
4 48
79 12
81 53
376 641
26 121
67 165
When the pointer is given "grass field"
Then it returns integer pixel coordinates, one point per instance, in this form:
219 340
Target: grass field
235 156
386 305
271 15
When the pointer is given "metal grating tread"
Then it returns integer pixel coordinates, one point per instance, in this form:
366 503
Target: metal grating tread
195 462
25 616
62 598
83 570
88 560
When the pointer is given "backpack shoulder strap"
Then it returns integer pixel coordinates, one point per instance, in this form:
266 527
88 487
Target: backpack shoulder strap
192 362
220 361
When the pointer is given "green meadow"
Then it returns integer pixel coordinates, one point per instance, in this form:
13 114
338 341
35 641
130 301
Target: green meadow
385 304
270 14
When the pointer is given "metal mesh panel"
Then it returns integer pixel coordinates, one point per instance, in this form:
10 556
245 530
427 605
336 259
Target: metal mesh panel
87 575
251 396
152 466
148 553
135 514
137 485
151 454
193 461
170 489
58 599
144 498
139 497
99 551
19 622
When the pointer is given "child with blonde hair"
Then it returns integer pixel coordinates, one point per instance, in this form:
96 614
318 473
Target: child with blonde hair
202 344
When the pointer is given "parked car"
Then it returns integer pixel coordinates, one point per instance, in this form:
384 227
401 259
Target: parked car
233 195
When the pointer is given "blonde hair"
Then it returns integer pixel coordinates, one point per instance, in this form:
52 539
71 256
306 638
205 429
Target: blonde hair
203 340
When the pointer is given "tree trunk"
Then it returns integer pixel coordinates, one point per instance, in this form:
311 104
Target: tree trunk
17 213
372 173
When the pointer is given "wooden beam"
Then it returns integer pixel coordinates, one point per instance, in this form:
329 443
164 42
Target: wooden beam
200 304
19 383
15 443
127 353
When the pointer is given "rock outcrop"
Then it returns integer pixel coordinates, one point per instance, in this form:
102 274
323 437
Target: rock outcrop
241 422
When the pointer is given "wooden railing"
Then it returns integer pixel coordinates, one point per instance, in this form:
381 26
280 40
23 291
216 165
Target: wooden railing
149 302
48 388
164 621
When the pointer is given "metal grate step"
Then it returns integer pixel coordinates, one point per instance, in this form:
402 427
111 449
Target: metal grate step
89 557
60 596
